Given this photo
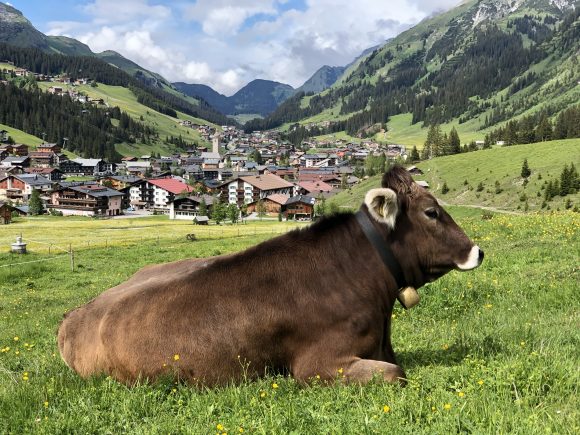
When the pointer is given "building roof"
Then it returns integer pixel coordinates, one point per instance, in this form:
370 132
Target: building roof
301 198
36 170
15 159
267 181
315 186
96 190
124 178
278 198
88 162
171 185
33 179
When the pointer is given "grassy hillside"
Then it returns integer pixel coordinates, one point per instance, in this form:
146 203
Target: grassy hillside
127 101
488 351
502 164
21 137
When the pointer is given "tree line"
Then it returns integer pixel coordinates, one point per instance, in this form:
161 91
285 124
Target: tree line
88 128
75 67
538 127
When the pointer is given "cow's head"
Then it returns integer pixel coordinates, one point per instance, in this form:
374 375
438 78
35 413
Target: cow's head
423 237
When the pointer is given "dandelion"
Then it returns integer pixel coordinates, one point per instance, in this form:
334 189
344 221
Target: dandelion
274 385
488 306
433 409
317 376
219 426
461 394
386 408
480 382
16 338
447 406
522 343
17 352
241 430
176 357
46 404
262 394
340 370
445 346
25 376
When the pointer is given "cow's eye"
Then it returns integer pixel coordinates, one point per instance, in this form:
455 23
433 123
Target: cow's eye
432 213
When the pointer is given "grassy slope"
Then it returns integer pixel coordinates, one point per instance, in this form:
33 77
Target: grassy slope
493 350
126 100
21 137
500 163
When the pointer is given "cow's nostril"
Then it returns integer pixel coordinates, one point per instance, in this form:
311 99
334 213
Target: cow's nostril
481 255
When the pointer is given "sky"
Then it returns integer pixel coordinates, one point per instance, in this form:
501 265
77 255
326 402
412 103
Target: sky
226 43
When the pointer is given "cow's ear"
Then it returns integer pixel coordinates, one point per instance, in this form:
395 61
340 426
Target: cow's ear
382 205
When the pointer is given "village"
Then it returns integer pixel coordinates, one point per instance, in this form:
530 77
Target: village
258 173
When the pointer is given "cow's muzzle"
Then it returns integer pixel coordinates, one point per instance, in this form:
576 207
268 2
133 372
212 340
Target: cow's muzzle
474 259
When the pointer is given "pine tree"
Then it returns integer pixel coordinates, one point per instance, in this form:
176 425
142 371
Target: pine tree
525 173
414 155
202 210
454 142
35 203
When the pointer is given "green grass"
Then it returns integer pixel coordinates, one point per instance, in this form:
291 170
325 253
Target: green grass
20 137
502 164
163 124
489 351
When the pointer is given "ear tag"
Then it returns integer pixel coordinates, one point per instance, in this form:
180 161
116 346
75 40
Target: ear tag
408 297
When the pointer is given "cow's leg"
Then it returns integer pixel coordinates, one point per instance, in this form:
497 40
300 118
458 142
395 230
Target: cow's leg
350 369
363 370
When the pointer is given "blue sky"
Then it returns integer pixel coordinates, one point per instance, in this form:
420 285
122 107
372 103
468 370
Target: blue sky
226 44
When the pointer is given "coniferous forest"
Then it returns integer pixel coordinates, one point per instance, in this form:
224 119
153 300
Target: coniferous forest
89 129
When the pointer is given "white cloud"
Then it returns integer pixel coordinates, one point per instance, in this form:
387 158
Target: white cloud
212 42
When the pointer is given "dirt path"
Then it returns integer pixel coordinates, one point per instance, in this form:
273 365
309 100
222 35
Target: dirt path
483 207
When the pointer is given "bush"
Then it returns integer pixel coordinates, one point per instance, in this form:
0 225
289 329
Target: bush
445 188
479 187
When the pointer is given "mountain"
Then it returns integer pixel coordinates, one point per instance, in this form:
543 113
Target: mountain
322 79
478 65
214 98
16 30
257 97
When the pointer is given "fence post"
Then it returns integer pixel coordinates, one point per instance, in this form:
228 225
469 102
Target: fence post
72 260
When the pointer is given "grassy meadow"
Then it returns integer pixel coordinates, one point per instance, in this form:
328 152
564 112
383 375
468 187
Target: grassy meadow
463 172
492 350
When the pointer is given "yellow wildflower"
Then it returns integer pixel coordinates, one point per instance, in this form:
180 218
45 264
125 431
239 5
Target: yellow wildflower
176 357
274 385
219 426
16 338
241 430
480 382
447 406
386 408
461 394
445 346
340 370
46 404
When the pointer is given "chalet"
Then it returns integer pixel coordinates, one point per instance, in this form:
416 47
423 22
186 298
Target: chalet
20 187
87 200
245 190
272 204
118 182
187 208
53 174
299 207
5 213
20 150
20 72
42 159
56 90
84 167
7 148
49 148
21 162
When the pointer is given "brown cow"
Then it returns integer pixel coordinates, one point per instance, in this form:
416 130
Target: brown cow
314 301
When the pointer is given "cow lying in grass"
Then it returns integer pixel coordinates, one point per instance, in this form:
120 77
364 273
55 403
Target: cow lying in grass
313 302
